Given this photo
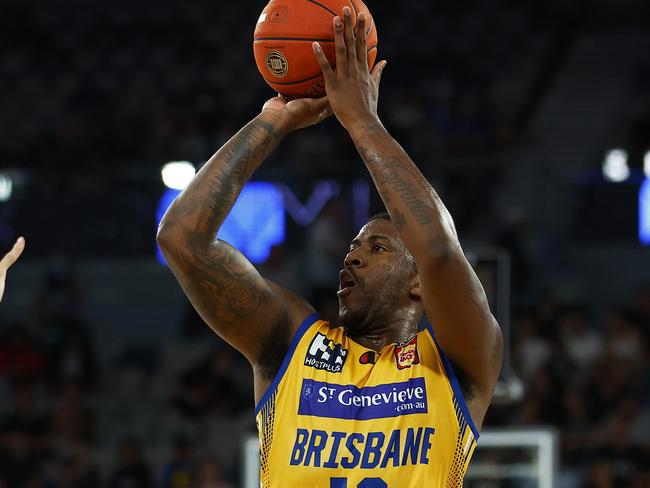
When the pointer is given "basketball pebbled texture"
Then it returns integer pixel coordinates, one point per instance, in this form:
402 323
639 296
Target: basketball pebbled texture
283 41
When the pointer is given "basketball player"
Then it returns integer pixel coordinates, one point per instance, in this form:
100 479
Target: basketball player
369 401
8 260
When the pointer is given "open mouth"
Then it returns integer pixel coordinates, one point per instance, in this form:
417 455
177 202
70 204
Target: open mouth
346 283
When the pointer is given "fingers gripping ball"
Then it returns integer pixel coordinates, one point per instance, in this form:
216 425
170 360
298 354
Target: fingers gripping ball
283 41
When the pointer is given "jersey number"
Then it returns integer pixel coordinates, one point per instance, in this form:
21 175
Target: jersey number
365 483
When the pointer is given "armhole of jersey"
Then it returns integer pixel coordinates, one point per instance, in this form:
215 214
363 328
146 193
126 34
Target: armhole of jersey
306 324
455 385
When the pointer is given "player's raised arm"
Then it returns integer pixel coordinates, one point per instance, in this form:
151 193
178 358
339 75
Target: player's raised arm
8 260
221 283
451 294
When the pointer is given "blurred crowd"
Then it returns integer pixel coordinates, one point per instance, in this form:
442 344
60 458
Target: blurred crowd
590 379
104 93
639 113
104 86
64 420
173 414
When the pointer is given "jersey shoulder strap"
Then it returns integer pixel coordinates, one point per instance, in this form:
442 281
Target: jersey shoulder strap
312 321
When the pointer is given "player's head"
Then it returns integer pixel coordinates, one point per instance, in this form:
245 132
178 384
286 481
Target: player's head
379 279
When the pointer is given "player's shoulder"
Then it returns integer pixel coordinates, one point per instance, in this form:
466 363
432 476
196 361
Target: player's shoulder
280 337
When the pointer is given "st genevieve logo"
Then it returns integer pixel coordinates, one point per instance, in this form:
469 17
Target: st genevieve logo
325 354
406 354
277 64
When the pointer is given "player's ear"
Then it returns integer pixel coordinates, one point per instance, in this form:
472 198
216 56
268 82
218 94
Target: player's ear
414 288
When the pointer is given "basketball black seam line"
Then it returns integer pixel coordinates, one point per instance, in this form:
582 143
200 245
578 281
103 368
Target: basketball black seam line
323 7
354 7
292 39
295 82
301 38
356 13
310 78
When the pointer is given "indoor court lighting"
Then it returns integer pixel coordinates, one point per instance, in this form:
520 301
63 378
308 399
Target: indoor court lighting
615 167
644 213
6 187
178 174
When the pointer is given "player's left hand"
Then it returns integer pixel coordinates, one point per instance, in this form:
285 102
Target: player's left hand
352 89
297 114
9 259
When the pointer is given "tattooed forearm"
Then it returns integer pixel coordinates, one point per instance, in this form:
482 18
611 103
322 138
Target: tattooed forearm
416 209
239 158
389 178
205 203
221 284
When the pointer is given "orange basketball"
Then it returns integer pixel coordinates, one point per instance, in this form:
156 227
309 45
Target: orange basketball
283 41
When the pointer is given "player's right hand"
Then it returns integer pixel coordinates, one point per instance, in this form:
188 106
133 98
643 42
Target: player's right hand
9 259
297 114
352 88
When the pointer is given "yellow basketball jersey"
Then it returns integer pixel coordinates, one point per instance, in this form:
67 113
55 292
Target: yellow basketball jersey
338 415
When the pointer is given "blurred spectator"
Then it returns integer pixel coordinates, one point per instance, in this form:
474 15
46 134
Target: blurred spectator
577 428
20 466
624 339
531 349
21 358
600 475
60 295
74 468
207 474
545 315
328 240
73 474
582 344
542 404
71 420
213 387
177 473
625 459
511 237
24 411
132 470
73 358
640 304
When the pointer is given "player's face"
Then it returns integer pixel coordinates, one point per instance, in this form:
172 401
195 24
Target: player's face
376 278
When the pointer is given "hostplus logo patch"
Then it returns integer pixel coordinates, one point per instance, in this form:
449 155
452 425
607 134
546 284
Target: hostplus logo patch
325 354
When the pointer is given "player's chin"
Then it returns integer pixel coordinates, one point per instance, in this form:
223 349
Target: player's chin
350 316
347 306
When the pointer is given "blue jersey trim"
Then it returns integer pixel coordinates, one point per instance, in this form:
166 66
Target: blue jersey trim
455 385
308 322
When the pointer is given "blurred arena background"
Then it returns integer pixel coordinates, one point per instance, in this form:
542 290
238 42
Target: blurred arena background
531 118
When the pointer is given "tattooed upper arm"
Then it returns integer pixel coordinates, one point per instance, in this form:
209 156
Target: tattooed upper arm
233 298
228 292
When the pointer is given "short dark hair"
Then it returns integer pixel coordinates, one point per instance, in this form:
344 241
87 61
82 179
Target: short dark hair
381 215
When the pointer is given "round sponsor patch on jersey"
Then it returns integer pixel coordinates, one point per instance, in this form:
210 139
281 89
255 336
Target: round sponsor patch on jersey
277 64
